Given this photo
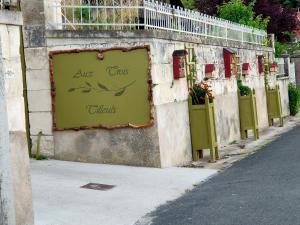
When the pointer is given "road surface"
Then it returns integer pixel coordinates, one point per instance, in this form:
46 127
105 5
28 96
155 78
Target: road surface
263 189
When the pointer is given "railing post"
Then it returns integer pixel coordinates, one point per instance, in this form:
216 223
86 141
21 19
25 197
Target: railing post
243 36
205 26
145 15
226 32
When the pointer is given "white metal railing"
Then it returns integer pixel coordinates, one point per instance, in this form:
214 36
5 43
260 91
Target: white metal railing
149 14
1 4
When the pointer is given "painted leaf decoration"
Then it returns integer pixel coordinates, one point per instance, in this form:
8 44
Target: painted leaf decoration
102 86
88 84
71 90
86 91
119 93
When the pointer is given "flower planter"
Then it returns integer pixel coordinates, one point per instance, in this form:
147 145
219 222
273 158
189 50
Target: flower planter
273 67
203 130
274 105
248 114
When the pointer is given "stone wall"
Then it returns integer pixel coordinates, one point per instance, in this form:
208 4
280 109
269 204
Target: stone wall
11 71
169 139
134 146
168 142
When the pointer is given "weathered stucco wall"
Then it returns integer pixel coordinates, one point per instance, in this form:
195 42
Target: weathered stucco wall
227 123
10 39
169 98
21 178
11 71
174 135
7 209
119 146
258 84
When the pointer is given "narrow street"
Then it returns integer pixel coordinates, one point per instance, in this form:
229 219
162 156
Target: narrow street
263 189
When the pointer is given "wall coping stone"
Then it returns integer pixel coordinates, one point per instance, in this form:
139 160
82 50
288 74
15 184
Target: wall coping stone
150 34
283 78
11 17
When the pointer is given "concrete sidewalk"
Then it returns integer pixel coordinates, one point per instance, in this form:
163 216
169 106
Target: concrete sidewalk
59 200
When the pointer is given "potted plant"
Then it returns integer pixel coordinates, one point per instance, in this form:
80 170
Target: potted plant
202 121
247 110
198 93
274 105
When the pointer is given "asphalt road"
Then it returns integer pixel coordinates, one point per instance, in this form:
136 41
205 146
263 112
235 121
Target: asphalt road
263 189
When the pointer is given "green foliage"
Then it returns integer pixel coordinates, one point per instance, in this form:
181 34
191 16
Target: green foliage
279 48
293 47
279 13
38 155
237 11
244 90
289 48
294 99
83 13
233 142
188 4
291 3
41 157
266 73
192 75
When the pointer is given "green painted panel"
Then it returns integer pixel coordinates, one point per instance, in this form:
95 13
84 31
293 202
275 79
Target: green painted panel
274 105
246 118
199 127
91 91
203 129
248 114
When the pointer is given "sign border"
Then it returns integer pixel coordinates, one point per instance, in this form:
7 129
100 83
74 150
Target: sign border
124 49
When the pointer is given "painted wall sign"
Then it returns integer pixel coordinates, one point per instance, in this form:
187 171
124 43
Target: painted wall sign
108 88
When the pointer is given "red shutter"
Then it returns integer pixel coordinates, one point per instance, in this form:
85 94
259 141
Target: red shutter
209 68
245 66
260 64
227 62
